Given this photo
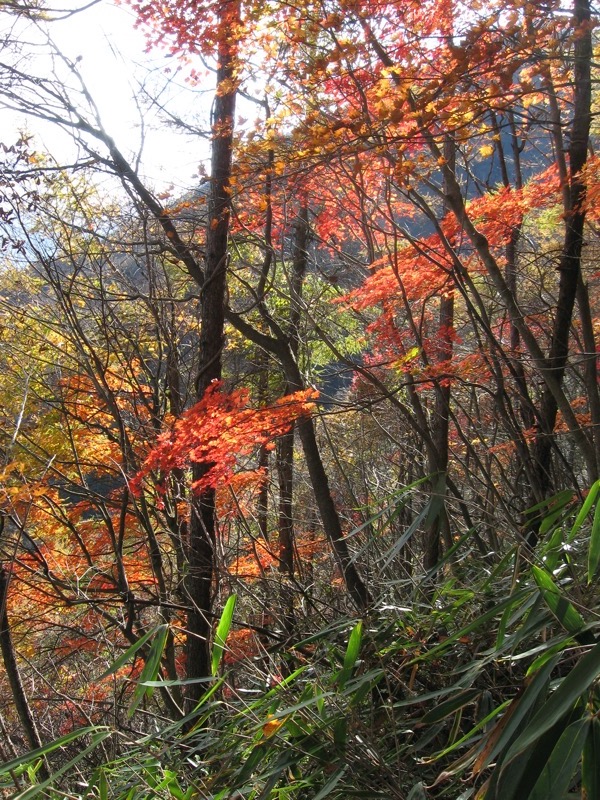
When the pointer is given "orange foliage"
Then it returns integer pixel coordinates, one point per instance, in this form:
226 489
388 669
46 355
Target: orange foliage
241 643
255 563
219 430
236 498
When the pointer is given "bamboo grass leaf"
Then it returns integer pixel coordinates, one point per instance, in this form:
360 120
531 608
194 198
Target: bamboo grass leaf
150 670
557 773
564 611
128 654
590 766
585 509
351 655
594 546
572 688
221 633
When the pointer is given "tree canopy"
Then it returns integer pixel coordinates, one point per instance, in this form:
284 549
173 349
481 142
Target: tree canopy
300 465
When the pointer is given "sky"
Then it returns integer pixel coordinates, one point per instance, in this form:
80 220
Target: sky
111 58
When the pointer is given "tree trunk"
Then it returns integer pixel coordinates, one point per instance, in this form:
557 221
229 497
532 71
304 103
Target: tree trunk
201 566
570 261
442 409
12 672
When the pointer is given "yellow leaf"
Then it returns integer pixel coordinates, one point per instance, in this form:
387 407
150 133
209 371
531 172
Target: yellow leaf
271 727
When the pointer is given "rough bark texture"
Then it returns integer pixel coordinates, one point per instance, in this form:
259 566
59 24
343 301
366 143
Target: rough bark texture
442 408
570 261
12 672
201 573
285 451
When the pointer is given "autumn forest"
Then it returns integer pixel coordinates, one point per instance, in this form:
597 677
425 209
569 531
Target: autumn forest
300 463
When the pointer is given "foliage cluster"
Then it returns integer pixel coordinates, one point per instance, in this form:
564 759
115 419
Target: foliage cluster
295 467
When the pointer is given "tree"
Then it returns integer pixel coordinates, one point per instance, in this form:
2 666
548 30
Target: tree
409 209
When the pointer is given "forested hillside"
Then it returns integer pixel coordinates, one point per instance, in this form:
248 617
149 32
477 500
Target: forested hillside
300 465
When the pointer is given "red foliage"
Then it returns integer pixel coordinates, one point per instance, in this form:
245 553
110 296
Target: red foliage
220 429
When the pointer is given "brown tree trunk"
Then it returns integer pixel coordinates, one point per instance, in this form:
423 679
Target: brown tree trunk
262 503
279 347
440 525
12 672
570 261
201 566
285 449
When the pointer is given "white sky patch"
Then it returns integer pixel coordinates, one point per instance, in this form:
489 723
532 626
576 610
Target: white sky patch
109 54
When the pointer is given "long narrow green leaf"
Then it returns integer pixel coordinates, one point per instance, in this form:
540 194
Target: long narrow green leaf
351 655
546 651
103 785
417 792
590 766
151 668
585 509
516 780
313 701
557 511
278 688
472 626
426 513
221 633
128 654
564 611
557 501
553 551
481 724
40 752
572 688
158 684
594 546
450 706
197 720
518 711
449 553
40 788
331 783
508 618
557 774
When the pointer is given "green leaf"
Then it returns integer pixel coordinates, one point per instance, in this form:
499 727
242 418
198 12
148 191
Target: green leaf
590 767
516 781
40 788
46 749
472 626
221 633
417 792
331 783
129 653
548 651
103 786
481 725
340 732
351 655
450 706
151 668
419 521
510 616
564 611
553 504
573 686
585 509
556 511
553 550
594 547
193 716
558 771
516 713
